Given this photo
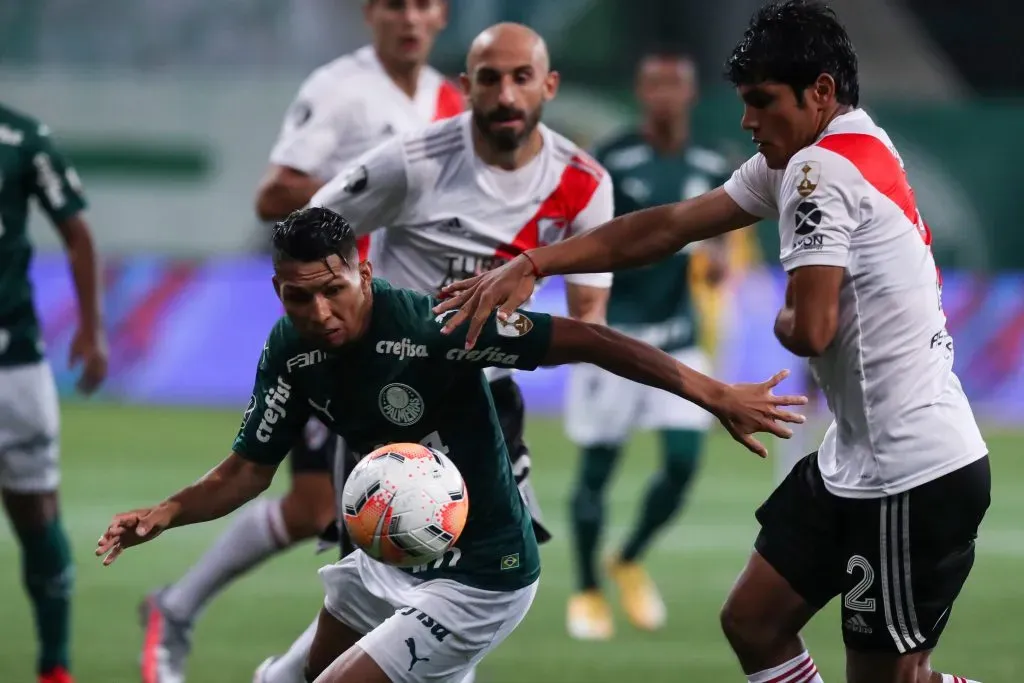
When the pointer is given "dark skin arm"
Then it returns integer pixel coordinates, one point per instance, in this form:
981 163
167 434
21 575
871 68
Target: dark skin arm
89 345
631 240
283 190
807 323
224 489
743 409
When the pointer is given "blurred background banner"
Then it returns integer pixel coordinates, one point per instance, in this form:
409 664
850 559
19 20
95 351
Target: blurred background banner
190 332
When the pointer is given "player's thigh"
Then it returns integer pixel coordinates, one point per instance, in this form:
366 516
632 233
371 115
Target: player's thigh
29 430
907 558
332 639
798 541
445 630
600 408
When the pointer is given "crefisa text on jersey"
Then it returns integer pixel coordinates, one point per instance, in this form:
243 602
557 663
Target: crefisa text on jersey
403 348
274 400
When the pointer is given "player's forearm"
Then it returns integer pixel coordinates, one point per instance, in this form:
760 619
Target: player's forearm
576 342
224 489
642 237
280 194
84 266
788 335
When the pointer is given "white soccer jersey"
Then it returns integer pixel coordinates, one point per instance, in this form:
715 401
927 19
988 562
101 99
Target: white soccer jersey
901 416
351 105
449 216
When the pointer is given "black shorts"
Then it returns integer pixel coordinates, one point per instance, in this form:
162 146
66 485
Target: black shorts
899 562
508 404
315 450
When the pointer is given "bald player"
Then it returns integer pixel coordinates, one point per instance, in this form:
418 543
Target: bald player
462 196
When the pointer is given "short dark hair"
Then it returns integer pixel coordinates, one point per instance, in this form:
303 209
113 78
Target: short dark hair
313 234
794 42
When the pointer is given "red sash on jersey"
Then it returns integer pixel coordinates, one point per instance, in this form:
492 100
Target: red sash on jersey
580 180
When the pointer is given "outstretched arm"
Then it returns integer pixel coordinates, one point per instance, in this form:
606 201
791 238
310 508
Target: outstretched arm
743 409
630 240
222 490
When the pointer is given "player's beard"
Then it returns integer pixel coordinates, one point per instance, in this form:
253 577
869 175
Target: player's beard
503 139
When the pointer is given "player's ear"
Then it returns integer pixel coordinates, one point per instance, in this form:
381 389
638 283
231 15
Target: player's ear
824 89
465 84
365 274
551 82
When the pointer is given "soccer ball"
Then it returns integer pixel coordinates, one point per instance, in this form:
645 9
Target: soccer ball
405 504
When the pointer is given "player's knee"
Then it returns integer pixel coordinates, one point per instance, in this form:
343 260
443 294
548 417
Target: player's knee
746 630
596 467
682 455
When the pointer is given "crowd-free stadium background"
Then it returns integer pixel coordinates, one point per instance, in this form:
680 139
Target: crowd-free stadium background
168 111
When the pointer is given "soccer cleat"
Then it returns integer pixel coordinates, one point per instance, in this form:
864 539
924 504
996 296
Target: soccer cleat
166 643
261 670
589 617
639 596
58 674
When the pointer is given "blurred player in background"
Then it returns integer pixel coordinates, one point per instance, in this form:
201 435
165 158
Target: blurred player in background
31 167
470 193
343 109
654 163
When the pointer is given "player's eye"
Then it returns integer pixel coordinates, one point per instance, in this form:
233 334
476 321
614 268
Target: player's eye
758 99
487 77
523 76
331 291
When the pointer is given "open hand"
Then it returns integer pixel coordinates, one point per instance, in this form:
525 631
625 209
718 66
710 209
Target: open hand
745 409
473 299
132 528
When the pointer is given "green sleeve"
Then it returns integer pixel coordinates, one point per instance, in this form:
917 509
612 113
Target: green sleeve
54 181
520 342
276 413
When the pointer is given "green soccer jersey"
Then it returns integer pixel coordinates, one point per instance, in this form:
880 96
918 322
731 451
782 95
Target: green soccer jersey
404 381
30 166
653 303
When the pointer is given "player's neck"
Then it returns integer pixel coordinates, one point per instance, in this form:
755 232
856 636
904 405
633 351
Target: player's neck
508 160
406 77
832 116
666 137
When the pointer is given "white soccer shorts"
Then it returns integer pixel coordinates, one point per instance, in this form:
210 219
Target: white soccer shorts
29 429
420 631
602 408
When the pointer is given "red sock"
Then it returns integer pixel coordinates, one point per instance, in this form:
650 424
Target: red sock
800 669
947 678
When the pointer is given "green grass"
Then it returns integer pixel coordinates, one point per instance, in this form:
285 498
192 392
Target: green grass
116 458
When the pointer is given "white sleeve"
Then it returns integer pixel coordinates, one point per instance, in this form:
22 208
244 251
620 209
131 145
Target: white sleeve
372 192
818 215
752 187
599 211
320 125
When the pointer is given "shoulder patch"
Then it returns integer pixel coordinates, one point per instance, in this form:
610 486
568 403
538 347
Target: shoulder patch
517 325
357 180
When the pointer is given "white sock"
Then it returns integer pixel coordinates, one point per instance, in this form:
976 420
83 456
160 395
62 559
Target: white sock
471 676
947 678
290 667
800 669
257 533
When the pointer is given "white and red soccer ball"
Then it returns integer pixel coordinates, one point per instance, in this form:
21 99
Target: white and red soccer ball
405 504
